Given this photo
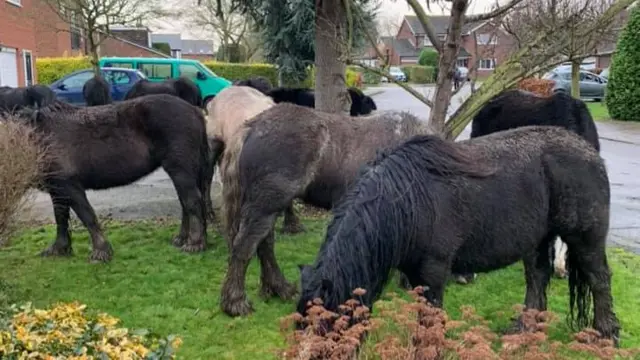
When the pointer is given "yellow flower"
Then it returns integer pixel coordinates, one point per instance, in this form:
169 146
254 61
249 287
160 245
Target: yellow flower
176 343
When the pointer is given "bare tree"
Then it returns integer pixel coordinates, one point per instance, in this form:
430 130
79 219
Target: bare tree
95 18
231 26
579 29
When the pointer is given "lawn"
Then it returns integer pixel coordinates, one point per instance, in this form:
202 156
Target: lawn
599 111
152 285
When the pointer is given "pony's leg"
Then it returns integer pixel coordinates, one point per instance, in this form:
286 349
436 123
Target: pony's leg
216 148
180 240
560 258
432 274
193 210
252 232
537 272
272 280
62 244
589 272
291 223
102 250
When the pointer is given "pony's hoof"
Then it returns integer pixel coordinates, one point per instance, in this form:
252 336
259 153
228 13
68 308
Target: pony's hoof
293 229
284 291
178 241
465 279
102 255
240 307
57 251
193 248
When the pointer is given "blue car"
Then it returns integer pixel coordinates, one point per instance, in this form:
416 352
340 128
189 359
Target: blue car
69 88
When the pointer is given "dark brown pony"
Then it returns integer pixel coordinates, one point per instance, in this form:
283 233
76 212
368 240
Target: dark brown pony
287 152
181 87
114 145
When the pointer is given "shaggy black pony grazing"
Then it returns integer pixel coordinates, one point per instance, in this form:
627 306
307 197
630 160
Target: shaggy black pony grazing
361 104
259 83
181 87
516 108
114 145
429 207
96 91
14 99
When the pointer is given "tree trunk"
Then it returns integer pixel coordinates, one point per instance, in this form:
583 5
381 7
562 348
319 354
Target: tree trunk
93 51
443 92
575 79
331 93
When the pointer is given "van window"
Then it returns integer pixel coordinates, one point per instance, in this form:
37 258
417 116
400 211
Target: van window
156 71
189 70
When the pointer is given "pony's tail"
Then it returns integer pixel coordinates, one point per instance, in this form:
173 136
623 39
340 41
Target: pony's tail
203 178
579 293
231 186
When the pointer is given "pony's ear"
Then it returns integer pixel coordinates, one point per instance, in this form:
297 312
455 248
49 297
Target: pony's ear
327 285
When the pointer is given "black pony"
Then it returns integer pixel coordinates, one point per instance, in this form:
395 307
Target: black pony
361 104
14 99
516 108
259 83
429 208
96 91
181 87
114 145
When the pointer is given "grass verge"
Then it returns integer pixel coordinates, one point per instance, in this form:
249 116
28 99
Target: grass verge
599 111
150 284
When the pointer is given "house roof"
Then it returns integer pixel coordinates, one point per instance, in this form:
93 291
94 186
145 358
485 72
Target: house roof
174 40
440 24
197 47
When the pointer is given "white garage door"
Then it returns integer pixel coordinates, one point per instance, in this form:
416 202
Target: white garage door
8 68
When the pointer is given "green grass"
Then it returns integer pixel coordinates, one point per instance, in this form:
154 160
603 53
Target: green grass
599 111
150 284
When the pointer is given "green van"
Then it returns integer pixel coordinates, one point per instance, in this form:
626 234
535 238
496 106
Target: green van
160 69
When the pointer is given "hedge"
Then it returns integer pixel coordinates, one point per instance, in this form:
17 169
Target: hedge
541 87
623 88
52 69
419 74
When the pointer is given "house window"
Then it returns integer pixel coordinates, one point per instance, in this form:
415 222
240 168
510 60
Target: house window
463 62
156 71
427 42
486 64
442 37
15 2
487 39
76 39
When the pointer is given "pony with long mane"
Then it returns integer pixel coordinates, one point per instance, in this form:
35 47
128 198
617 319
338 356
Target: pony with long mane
226 113
96 91
287 152
114 145
181 87
516 108
15 99
429 208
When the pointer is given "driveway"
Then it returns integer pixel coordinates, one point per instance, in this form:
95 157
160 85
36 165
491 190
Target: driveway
154 196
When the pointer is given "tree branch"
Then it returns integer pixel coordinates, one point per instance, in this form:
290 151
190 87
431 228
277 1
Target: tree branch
426 24
497 12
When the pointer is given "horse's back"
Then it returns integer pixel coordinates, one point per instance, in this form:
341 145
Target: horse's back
232 107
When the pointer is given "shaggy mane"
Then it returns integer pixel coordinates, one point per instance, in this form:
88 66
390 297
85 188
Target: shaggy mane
385 192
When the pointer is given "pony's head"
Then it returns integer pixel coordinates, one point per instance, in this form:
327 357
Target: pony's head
313 287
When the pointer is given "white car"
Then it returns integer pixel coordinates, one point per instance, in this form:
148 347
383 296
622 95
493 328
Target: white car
464 72
397 73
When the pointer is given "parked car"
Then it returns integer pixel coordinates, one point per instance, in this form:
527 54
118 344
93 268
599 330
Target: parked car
69 87
397 74
160 69
592 86
605 74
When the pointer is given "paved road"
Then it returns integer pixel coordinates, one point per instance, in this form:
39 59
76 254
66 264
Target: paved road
154 196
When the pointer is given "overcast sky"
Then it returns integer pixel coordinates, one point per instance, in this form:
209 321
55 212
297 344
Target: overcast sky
391 10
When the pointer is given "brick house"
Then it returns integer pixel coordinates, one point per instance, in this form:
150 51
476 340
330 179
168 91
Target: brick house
608 45
129 42
201 50
493 44
30 29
